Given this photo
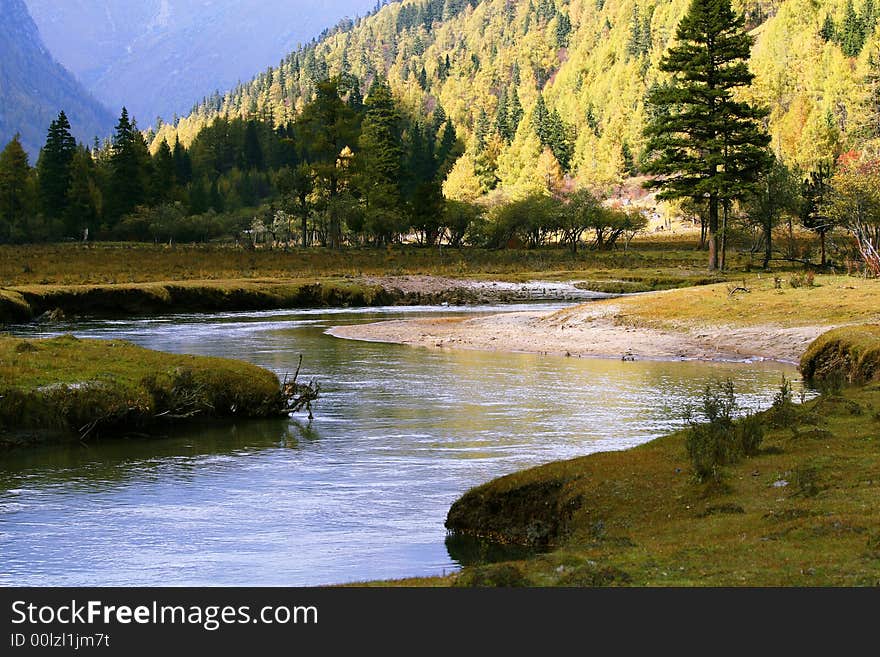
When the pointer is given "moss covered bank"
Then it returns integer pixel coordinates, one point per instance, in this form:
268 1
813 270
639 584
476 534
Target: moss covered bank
68 389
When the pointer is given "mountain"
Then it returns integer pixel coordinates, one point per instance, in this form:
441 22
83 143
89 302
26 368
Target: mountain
34 88
158 57
519 77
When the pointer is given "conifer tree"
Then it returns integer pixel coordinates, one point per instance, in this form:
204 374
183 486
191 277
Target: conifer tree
129 169
703 143
83 196
182 164
53 167
15 201
163 172
381 157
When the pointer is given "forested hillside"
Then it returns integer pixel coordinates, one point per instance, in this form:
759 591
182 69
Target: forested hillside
519 78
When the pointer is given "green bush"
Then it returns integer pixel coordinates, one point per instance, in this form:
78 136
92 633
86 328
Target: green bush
721 440
783 411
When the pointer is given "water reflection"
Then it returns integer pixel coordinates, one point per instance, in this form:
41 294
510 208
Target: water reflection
359 493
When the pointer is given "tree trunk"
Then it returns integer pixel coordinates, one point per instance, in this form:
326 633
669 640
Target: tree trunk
723 259
713 232
768 241
822 246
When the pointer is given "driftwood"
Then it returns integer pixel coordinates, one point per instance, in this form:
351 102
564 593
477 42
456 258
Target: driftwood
299 396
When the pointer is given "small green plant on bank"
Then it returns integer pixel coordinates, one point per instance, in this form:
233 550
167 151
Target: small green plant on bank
720 440
783 411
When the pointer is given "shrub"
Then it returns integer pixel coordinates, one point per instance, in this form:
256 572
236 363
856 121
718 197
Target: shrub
783 411
720 440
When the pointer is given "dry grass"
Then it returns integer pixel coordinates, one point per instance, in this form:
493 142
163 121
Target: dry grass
100 264
833 300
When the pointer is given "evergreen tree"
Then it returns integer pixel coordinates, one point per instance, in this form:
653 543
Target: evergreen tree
182 164
634 45
53 167
776 194
381 155
703 143
129 169
253 151
83 195
851 35
563 30
828 31
163 173
514 113
326 126
449 149
15 201
541 120
501 116
481 129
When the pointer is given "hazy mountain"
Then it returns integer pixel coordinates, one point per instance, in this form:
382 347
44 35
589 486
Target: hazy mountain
159 57
34 88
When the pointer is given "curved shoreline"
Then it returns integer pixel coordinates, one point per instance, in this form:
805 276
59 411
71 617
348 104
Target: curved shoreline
593 331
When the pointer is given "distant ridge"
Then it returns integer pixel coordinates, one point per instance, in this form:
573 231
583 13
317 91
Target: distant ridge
34 88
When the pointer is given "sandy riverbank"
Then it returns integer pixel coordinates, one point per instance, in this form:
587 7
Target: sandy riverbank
591 330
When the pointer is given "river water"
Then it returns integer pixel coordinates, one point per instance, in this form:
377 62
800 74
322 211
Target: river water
361 492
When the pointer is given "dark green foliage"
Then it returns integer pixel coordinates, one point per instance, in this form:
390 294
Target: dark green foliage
855 29
563 30
828 32
816 191
702 142
719 440
776 194
640 39
129 170
53 167
783 411
345 170
554 133
84 198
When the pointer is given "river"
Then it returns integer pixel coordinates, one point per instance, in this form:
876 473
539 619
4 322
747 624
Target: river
361 492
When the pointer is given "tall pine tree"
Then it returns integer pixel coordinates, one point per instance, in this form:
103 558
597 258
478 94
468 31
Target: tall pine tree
129 169
703 143
53 167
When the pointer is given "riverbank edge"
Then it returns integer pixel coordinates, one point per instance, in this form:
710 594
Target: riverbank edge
26 303
588 516
65 389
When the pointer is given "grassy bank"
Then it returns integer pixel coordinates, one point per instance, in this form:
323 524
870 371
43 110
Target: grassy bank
802 511
66 389
26 302
758 299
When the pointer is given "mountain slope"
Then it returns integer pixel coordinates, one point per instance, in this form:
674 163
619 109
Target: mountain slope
159 56
591 62
34 88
